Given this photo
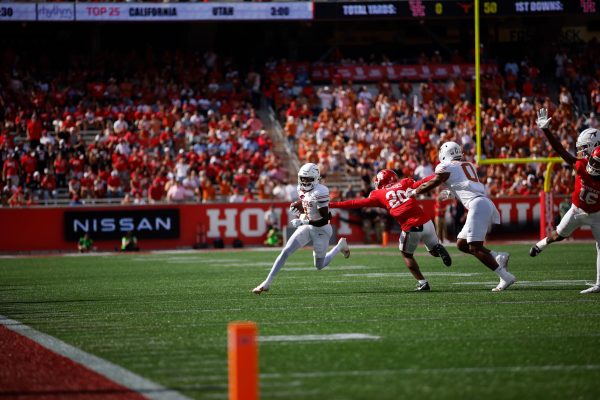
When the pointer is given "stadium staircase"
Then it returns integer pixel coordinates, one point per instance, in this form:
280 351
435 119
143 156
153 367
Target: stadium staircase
289 157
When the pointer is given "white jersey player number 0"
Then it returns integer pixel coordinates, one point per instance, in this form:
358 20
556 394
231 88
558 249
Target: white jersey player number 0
469 171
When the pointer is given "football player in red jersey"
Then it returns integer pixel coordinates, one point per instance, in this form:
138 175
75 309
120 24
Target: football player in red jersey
391 193
585 208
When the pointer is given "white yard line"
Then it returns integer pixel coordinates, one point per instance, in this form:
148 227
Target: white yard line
440 371
401 274
554 282
105 368
337 268
318 338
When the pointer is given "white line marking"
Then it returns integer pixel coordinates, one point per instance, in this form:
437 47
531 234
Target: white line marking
477 370
389 274
340 268
573 282
105 368
318 338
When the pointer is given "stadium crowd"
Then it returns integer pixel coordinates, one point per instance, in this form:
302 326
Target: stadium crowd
358 129
185 128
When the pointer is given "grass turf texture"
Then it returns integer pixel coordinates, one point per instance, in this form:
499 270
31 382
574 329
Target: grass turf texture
164 316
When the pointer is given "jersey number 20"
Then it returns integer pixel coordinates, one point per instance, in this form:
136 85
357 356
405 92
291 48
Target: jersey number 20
395 198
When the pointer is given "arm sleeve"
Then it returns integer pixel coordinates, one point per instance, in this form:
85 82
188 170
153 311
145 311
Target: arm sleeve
422 181
358 203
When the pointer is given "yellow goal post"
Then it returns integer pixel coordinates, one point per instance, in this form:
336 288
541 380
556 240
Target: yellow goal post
546 198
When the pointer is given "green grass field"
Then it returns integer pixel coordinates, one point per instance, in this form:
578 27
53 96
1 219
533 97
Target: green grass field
164 316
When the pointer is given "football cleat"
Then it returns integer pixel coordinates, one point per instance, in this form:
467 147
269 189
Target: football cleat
443 253
423 287
593 289
534 251
345 249
504 284
260 288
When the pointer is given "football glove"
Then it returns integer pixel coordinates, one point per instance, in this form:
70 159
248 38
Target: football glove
445 195
296 222
543 121
410 192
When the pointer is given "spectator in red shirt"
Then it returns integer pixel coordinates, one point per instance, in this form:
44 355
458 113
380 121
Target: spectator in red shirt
10 169
74 187
60 169
77 165
28 165
87 185
156 191
34 131
115 186
48 185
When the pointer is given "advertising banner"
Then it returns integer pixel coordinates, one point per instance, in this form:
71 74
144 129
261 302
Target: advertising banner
366 73
113 224
56 11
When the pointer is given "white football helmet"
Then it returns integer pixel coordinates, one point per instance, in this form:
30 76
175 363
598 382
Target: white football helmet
308 177
587 141
450 151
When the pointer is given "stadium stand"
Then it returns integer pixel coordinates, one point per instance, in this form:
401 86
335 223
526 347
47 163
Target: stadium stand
184 126
353 130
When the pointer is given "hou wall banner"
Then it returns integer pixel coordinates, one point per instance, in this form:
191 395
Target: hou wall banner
176 226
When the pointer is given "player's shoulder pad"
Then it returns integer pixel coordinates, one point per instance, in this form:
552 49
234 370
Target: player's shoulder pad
441 168
321 190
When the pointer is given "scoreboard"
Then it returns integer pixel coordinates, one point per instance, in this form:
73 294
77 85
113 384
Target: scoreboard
409 9
230 10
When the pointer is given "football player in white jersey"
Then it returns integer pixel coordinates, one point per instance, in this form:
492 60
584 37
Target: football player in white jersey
463 183
312 224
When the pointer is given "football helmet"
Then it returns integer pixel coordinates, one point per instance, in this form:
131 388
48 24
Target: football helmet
384 178
587 141
450 151
308 177
593 165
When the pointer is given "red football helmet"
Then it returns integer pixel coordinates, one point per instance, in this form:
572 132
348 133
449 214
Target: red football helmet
384 178
593 165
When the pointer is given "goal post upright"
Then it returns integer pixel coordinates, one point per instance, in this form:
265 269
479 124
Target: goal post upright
477 84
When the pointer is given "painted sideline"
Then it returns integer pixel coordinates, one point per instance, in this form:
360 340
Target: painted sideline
105 368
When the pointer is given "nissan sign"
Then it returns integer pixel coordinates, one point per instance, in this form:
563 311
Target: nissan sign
112 225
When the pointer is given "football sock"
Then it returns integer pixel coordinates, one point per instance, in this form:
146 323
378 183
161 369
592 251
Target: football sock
542 243
281 259
598 265
422 281
331 253
502 273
